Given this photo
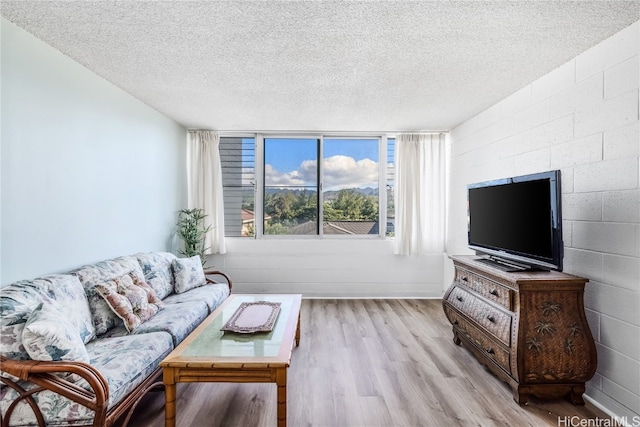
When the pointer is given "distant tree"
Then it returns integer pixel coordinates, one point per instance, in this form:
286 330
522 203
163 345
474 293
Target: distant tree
281 206
275 228
330 213
370 208
307 207
289 208
351 205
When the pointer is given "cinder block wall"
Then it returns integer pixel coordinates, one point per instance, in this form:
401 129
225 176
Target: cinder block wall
581 118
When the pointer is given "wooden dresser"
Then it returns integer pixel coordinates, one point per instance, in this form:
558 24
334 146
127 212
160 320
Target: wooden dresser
528 328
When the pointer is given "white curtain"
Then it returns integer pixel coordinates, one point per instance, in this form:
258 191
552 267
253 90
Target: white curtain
205 185
420 194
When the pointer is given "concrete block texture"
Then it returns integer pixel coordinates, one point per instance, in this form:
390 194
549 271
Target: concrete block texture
612 301
621 206
554 132
607 237
622 142
584 93
607 114
608 175
583 263
627 398
619 368
582 206
620 335
622 271
577 152
622 77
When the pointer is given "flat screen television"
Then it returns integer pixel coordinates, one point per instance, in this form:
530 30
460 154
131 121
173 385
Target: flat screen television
516 223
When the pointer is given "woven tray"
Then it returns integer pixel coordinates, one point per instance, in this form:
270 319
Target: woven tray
251 317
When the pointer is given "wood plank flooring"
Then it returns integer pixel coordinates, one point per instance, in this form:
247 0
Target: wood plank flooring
365 363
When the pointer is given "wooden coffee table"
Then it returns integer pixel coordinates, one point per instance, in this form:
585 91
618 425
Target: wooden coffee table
210 355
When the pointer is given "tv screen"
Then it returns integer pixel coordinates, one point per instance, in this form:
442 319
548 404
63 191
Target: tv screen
517 221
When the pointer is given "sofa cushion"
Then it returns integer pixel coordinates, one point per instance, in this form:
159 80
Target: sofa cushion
156 267
130 264
212 294
176 319
71 299
137 356
129 301
187 274
49 335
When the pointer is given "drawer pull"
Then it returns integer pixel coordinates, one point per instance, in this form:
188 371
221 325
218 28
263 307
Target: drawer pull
493 292
459 298
464 279
491 319
490 351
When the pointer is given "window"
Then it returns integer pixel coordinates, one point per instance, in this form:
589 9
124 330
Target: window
291 186
237 157
307 186
350 186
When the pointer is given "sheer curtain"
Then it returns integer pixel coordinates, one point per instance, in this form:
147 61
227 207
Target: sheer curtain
420 194
205 185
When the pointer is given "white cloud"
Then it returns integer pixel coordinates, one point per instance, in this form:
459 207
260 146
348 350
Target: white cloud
346 172
339 172
308 171
273 177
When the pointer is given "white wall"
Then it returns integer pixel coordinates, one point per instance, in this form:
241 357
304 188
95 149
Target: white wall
329 268
581 118
88 171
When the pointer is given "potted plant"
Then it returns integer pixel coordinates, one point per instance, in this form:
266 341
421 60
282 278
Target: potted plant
191 229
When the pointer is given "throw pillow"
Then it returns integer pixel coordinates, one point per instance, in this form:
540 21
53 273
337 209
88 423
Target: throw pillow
152 297
128 301
188 273
48 335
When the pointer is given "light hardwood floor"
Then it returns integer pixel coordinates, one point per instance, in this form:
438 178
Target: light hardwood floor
369 363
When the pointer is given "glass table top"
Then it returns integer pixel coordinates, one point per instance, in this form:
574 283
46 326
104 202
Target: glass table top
208 341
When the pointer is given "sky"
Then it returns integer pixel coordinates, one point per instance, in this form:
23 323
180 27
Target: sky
349 163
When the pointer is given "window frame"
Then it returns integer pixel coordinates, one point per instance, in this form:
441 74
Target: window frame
259 187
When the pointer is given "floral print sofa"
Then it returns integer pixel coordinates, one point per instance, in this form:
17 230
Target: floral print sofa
83 348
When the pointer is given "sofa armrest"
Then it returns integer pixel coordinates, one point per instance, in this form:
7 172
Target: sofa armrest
42 373
217 273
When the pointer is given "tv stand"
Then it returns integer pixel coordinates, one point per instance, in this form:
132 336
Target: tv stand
528 327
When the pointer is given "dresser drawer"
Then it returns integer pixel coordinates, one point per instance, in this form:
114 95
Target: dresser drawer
489 347
493 320
489 289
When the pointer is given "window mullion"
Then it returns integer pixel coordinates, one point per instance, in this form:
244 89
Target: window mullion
320 186
259 186
382 185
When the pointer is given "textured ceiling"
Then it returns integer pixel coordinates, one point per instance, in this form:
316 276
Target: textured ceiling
323 65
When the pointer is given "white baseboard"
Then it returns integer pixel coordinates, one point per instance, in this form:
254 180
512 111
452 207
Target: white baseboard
614 417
